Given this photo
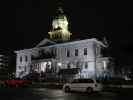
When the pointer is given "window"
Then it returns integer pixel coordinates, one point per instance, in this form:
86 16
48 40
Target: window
68 65
78 64
86 81
54 52
83 81
68 53
19 67
86 65
76 52
75 81
85 51
26 58
21 59
25 69
90 81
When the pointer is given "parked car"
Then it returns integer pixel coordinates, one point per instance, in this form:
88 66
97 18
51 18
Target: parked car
83 85
17 82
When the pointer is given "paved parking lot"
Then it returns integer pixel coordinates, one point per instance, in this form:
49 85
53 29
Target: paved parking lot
57 94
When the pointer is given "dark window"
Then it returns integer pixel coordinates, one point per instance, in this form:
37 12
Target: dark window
19 67
69 65
78 64
25 68
86 64
76 52
75 81
26 58
54 52
90 81
85 51
21 59
68 53
86 81
83 81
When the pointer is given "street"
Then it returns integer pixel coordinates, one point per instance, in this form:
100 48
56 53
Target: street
56 94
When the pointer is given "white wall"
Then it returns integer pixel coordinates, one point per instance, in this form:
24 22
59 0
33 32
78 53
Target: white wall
23 65
61 50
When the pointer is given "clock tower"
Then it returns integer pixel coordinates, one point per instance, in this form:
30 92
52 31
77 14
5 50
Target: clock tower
60 32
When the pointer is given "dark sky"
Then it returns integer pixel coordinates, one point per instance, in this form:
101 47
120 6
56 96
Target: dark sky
27 22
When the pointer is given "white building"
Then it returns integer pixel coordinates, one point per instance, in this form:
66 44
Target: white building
58 55
4 66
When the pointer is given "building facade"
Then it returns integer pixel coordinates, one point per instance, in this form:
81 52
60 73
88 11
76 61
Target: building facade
4 66
58 57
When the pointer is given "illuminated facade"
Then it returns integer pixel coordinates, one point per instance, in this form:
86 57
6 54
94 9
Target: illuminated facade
58 57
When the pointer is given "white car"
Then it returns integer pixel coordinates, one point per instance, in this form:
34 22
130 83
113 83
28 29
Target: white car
82 85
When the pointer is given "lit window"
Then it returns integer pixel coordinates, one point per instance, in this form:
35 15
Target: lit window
85 51
59 64
76 52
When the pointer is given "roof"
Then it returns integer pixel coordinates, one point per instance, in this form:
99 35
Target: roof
49 43
80 41
45 42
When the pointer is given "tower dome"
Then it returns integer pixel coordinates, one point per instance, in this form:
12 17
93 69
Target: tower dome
60 30
60 20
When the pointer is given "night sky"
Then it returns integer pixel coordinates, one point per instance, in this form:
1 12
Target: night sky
26 22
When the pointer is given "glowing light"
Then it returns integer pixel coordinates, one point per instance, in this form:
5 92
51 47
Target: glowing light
59 64
43 66
49 63
104 65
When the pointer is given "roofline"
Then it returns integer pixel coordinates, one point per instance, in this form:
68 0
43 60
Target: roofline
66 43
71 42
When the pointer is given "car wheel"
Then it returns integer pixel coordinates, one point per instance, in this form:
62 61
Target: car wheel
67 89
89 90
